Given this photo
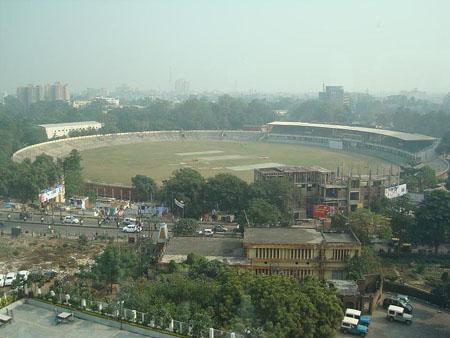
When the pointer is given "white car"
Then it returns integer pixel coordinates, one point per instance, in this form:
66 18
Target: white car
2 280
10 278
129 220
72 220
207 232
23 274
131 228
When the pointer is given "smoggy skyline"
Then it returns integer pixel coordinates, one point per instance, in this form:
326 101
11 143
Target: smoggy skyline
268 46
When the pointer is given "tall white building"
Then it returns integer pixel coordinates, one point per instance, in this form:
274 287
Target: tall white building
55 130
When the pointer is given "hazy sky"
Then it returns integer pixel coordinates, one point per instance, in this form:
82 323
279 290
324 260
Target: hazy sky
222 45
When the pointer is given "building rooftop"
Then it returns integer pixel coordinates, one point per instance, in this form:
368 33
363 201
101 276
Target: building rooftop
392 133
345 287
227 250
282 236
339 237
69 124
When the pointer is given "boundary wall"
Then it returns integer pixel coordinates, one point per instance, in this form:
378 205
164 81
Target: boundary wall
62 147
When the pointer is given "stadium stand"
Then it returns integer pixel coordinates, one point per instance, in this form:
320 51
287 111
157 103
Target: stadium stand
394 146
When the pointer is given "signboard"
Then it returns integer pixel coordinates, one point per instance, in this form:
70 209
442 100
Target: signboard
395 191
179 204
321 211
49 194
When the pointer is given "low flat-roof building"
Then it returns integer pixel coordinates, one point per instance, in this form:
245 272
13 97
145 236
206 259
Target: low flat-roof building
296 252
55 130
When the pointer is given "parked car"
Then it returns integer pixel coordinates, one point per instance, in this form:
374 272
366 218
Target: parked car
350 325
392 300
10 278
131 228
71 219
2 280
129 220
23 274
356 314
207 232
220 228
404 298
398 313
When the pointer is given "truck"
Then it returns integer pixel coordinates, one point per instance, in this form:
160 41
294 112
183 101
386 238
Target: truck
350 325
398 313
356 314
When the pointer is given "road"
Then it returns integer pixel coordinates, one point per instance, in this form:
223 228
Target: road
428 322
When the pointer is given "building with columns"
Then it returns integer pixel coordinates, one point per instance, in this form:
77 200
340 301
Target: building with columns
299 252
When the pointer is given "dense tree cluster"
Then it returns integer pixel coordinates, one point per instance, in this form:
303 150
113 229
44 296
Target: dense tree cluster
24 181
211 294
260 203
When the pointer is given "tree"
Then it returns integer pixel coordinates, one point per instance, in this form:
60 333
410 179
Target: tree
420 179
261 212
46 170
401 213
144 187
444 144
366 224
73 179
339 222
433 219
277 192
108 266
226 192
363 264
185 185
185 227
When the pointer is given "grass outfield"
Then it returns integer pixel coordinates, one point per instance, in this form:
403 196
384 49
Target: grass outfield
159 159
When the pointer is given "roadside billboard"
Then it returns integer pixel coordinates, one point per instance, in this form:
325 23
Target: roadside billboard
321 211
52 193
395 191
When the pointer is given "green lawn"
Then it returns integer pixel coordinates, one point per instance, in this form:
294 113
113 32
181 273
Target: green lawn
159 159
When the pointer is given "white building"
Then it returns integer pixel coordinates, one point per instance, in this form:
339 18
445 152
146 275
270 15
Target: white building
63 129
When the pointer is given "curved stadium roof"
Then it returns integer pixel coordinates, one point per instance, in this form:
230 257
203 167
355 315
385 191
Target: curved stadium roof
384 132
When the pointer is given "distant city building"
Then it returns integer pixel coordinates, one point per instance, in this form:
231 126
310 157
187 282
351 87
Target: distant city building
3 95
182 87
333 94
35 93
80 103
110 101
55 130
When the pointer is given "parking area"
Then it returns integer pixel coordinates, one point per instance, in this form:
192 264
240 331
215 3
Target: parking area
428 322
30 321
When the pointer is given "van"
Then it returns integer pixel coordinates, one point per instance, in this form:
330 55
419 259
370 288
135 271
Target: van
398 313
350 325
356 314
